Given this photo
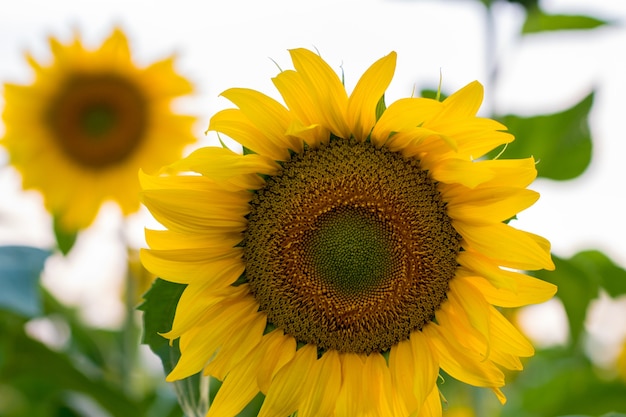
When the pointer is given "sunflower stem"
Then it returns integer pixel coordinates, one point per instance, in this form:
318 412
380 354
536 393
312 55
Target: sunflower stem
129 333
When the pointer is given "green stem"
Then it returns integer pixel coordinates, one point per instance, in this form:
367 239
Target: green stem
129 335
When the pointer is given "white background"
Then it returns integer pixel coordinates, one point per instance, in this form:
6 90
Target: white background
234 43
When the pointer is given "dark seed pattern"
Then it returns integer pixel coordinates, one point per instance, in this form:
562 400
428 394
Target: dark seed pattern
349 247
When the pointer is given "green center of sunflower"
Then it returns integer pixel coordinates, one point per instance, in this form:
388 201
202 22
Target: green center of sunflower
98 120
349 247
350 250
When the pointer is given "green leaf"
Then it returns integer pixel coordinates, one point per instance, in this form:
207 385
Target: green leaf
65 238
435 94
579 280
528 4
576 291
560 142
20 268
604 415
601 269
538 21
556 383
158 309
195 391
43 374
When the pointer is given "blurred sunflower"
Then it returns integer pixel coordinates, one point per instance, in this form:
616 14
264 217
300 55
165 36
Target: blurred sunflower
351 252
81 131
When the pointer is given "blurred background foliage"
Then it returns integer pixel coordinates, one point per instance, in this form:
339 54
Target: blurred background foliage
87 371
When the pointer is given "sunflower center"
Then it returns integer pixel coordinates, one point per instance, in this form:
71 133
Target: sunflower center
349 247
98 119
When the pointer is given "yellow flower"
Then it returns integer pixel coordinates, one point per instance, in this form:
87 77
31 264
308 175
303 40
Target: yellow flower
345 258
90 120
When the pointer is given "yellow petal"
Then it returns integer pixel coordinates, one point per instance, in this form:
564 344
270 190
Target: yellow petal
285 393
233 123
432 405
368 91
464 102
488 205
240 385
237 347
466 297
350 401
527 290
511 172
403 368
237 390
189 211
323 385
474 137
505 245
281 348
409 142
459 171
268 115
464 365
169 239
198 345
426 367
507 338
403 114
219 272
458 323
115 47
323 86
294 91
199 300
221 164
486 268
376 385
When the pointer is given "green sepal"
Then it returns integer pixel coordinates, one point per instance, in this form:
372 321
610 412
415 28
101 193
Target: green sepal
248 151
380 107
65 238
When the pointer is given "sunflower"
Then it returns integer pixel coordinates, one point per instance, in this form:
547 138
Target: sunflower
351 252
80 132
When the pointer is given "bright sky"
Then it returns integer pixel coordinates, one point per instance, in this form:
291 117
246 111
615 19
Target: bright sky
234 43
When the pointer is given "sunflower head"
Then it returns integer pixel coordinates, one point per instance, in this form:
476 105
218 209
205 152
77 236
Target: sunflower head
89 121
351 252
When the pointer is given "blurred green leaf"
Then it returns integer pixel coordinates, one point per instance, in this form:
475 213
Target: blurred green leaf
20 268
45 375
603 415
528 4
538 21
576 291
557 383
560 142
65 238
430 93
601 269
579 280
